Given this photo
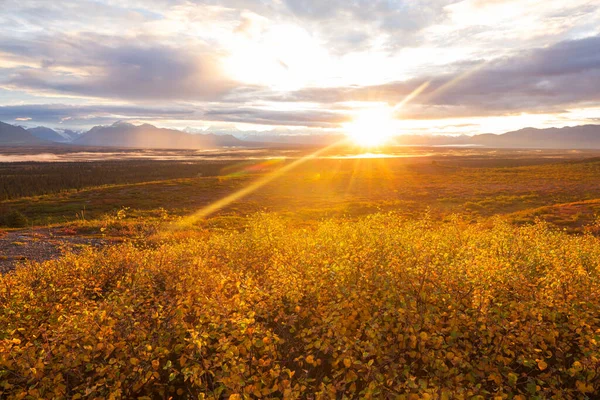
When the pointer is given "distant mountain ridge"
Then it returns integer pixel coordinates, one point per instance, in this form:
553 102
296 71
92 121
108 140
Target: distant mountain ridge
11 135
575 137
122 134
51 135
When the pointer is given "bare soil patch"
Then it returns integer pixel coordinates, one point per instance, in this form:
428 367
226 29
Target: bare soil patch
41 244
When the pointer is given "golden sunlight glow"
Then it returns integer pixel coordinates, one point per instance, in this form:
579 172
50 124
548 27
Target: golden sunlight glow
219 204
371 127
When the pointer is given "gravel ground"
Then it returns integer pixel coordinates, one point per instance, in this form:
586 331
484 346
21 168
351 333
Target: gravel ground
40 245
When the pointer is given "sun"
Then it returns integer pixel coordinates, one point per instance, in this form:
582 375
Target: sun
372 127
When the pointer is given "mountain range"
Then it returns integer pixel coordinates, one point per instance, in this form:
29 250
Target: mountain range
122 134
11 135
51 135
119 134
575 137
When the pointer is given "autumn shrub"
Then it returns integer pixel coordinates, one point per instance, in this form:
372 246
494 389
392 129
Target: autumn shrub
119 223
375 308
13 219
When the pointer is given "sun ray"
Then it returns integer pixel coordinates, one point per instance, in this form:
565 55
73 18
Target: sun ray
411 95
219 204
438 91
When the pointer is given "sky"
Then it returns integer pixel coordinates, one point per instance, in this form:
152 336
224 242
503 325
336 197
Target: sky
301 66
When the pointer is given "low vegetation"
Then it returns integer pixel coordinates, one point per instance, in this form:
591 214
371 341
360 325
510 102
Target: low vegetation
13 219
25 179
376 307
457 277
318 189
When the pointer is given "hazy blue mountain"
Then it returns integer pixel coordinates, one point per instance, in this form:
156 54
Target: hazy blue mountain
11 135
72 135
50 135
122 134
576 137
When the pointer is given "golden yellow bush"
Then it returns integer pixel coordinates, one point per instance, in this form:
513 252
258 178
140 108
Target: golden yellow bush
375 308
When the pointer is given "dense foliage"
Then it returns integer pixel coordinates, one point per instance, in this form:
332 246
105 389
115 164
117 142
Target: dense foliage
378 307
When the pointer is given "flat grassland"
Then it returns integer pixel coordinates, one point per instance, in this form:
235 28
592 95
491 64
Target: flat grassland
447 273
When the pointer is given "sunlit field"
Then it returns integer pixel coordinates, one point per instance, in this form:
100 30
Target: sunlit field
299 199
404 273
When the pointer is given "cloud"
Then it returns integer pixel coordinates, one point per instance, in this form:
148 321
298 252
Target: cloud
391 16
540 80
305 118
562 75
98 66
173 57
87 115
33 16
359 25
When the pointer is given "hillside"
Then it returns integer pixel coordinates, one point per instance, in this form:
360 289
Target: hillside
51 135
122 134
11 135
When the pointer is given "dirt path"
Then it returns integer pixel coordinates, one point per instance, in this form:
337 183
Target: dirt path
40 245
